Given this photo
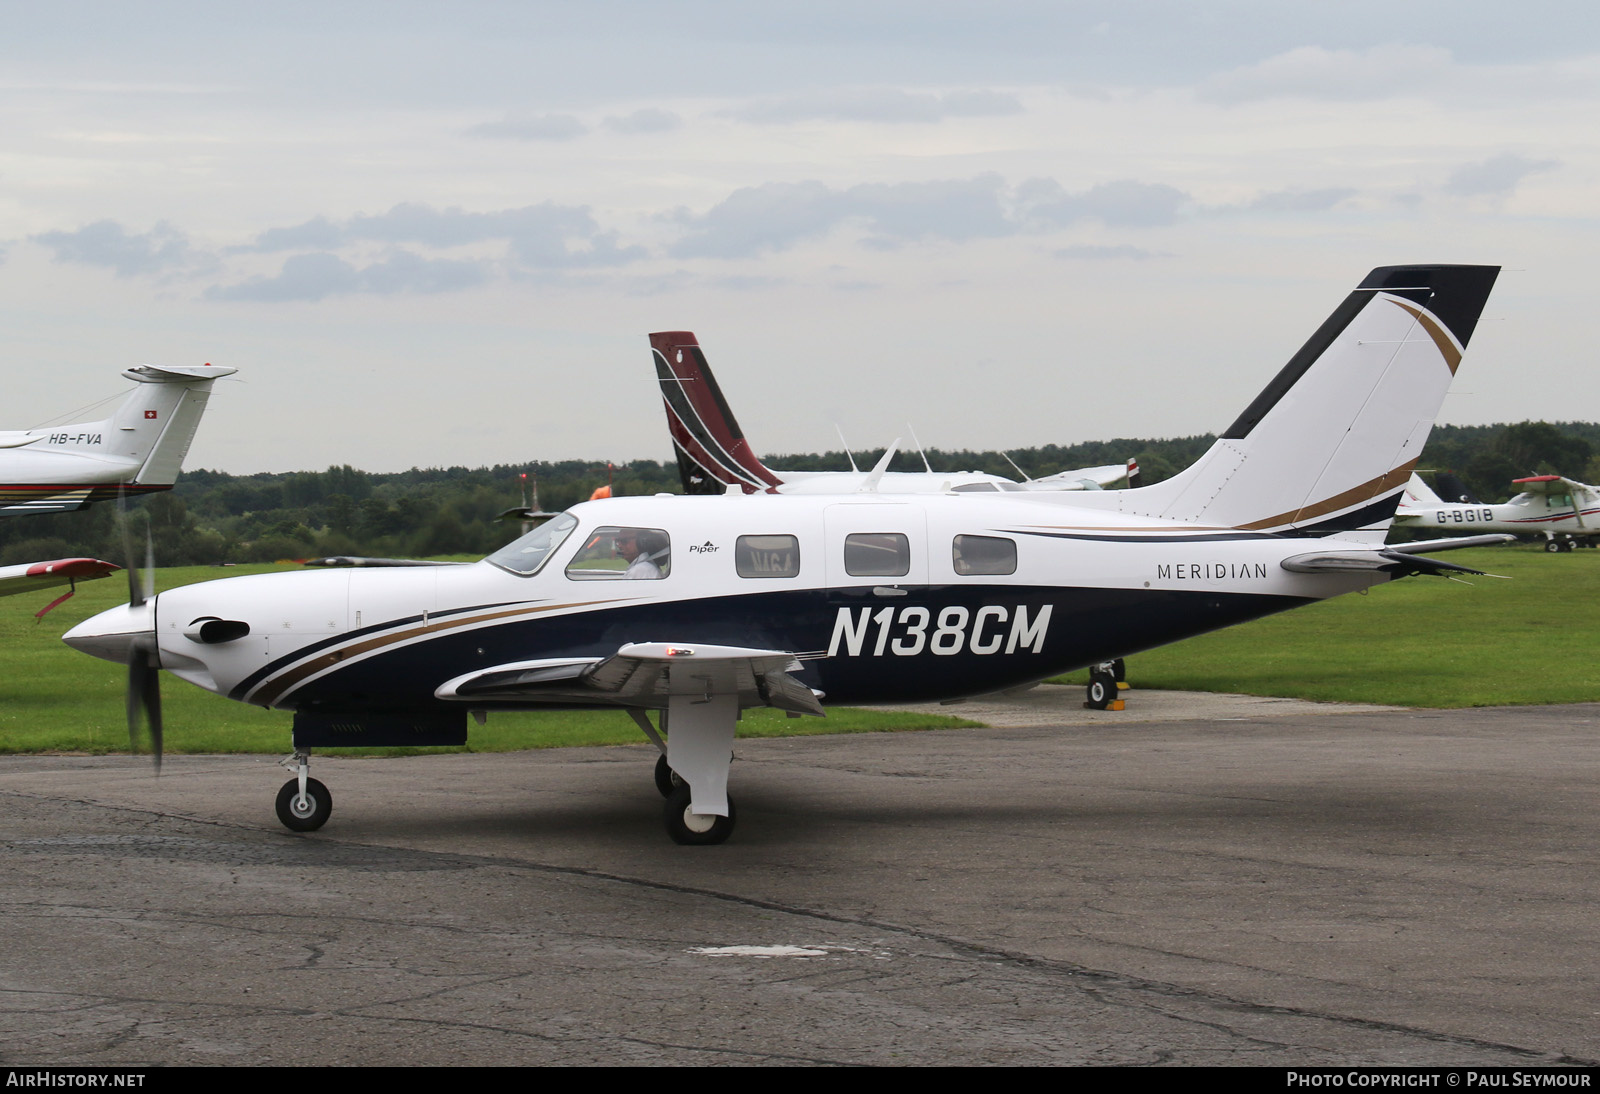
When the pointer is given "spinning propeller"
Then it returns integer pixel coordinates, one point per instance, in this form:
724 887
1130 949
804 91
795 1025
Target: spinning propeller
144 661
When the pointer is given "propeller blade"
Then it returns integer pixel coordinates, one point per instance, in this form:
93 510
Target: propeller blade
149 589
152 712
144 700
136 594
144 677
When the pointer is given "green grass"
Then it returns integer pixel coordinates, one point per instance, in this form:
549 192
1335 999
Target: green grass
54 699
1421 641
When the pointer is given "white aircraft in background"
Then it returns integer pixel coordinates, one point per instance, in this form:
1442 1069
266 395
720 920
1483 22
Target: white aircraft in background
137 450
1565 512
713 455
702 607
61 469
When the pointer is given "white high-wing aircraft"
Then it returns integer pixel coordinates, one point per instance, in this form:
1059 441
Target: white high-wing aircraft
137 450
1561 510
701 607
713 455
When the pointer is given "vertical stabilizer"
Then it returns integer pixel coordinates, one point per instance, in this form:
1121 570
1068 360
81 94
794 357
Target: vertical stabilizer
157 422
712 452
1327 447
1417 493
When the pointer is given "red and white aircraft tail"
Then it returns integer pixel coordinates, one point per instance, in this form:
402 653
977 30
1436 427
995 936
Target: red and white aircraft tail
712 452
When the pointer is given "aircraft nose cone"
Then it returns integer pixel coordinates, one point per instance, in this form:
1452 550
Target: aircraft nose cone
114 633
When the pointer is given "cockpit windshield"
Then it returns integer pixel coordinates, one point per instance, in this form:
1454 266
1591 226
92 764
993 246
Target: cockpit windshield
524 556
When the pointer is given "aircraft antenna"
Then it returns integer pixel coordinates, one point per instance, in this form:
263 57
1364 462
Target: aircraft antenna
846 444
1025 476
920 452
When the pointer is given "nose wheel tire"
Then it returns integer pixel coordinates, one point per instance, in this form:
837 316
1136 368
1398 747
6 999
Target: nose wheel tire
700 829
304 814
667 780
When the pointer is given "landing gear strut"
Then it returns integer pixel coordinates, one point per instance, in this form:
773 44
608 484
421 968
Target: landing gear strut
304 804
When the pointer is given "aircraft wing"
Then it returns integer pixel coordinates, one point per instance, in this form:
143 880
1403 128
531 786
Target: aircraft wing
1551 484
45 575
341 561
648 675
1081 478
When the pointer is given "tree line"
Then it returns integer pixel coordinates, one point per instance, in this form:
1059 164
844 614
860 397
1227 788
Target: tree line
215 517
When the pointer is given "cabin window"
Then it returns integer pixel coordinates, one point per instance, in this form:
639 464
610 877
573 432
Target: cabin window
877 554
524 556
615 552
767 556
984 555
976 488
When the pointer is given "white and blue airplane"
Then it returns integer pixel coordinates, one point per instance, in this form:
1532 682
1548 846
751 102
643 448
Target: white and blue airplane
702 607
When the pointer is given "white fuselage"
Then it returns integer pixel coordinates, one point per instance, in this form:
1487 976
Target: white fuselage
1086 585
1525 514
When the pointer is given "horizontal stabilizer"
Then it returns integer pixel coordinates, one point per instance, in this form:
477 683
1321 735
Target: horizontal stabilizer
1396 564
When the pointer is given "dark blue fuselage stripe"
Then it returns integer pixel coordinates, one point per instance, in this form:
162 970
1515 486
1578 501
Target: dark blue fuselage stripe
1086 626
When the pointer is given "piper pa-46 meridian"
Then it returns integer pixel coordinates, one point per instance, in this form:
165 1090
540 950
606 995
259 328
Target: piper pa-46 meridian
713 455
701 607
1561 510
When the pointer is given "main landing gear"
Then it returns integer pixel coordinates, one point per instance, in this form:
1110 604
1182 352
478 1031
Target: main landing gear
1560 544
1105 685
710 757
304 804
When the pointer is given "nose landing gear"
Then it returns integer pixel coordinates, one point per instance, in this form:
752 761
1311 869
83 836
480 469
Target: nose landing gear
304 804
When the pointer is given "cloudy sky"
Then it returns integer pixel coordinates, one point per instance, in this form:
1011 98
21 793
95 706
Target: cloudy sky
433 234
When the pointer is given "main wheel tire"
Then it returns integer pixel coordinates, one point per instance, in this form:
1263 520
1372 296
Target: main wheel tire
1553 546
667 780
307 815
1102 690
699 829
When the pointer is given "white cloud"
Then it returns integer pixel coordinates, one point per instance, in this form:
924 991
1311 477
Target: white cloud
1125 203
1302 201
107 243
546 235
774 216
532 127
1498 175
879 104
1314 72
648 120
311 277
1103 252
